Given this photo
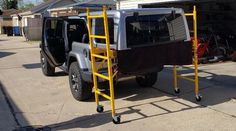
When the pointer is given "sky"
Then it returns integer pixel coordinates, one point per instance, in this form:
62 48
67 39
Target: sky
28 1
33 1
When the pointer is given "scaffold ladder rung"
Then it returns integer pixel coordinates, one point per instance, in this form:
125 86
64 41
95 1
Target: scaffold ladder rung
98 36
100 56
103 95
95 16
101 75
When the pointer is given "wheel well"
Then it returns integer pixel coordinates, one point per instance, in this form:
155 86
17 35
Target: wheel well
72 59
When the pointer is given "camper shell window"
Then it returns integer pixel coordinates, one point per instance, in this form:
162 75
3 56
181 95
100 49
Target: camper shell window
99 30
146 30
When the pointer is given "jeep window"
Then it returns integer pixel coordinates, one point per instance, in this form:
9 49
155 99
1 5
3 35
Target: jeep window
154 29
54 28
99 30
77 31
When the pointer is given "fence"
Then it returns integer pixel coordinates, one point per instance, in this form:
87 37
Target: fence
33 30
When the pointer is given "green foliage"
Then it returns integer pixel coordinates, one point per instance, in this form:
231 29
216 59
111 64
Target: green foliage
8 4
12 4
27 6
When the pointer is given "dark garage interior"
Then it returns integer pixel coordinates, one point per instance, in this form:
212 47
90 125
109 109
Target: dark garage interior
215 18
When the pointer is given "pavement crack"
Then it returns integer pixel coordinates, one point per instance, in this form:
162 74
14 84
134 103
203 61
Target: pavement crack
59 115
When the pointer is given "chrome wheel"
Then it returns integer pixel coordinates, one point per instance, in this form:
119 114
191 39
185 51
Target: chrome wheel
75 82
43 62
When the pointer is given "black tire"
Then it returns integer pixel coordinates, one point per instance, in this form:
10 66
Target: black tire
147 80
47 69
80 89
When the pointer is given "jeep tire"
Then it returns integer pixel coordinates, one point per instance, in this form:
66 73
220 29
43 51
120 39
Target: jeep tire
147 80
80 89
47 69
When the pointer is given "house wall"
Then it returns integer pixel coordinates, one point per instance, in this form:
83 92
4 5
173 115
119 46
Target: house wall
133 4
208 12
5 22
16 21
69 12
25 19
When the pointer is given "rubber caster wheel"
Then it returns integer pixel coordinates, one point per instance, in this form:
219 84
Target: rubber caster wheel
116 120
177 91
198 98
100 108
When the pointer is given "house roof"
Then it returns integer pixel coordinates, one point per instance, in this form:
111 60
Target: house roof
9 12
46 5
87 3
93 3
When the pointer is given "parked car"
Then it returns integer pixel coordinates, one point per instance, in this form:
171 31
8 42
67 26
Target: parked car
145 40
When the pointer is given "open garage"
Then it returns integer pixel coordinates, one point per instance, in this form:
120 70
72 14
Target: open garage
216 19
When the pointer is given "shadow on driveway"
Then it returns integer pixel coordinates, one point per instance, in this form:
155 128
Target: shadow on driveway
129 91
90 121
5 54
32 66
38 65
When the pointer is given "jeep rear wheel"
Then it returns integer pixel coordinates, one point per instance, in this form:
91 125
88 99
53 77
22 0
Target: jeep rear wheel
47 69
147 80
80 89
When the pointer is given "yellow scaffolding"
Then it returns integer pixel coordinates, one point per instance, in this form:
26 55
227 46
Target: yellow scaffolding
195 59
106 55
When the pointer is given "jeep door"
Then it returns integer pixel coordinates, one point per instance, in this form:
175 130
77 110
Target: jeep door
53 43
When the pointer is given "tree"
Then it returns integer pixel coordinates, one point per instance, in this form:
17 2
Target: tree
1 4
9 4
27 6
12 4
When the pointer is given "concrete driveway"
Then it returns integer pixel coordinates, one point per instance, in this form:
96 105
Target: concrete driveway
28 98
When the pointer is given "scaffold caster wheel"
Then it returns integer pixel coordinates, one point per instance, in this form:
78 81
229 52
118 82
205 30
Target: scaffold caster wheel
198 98
100 108
116 120
177 91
